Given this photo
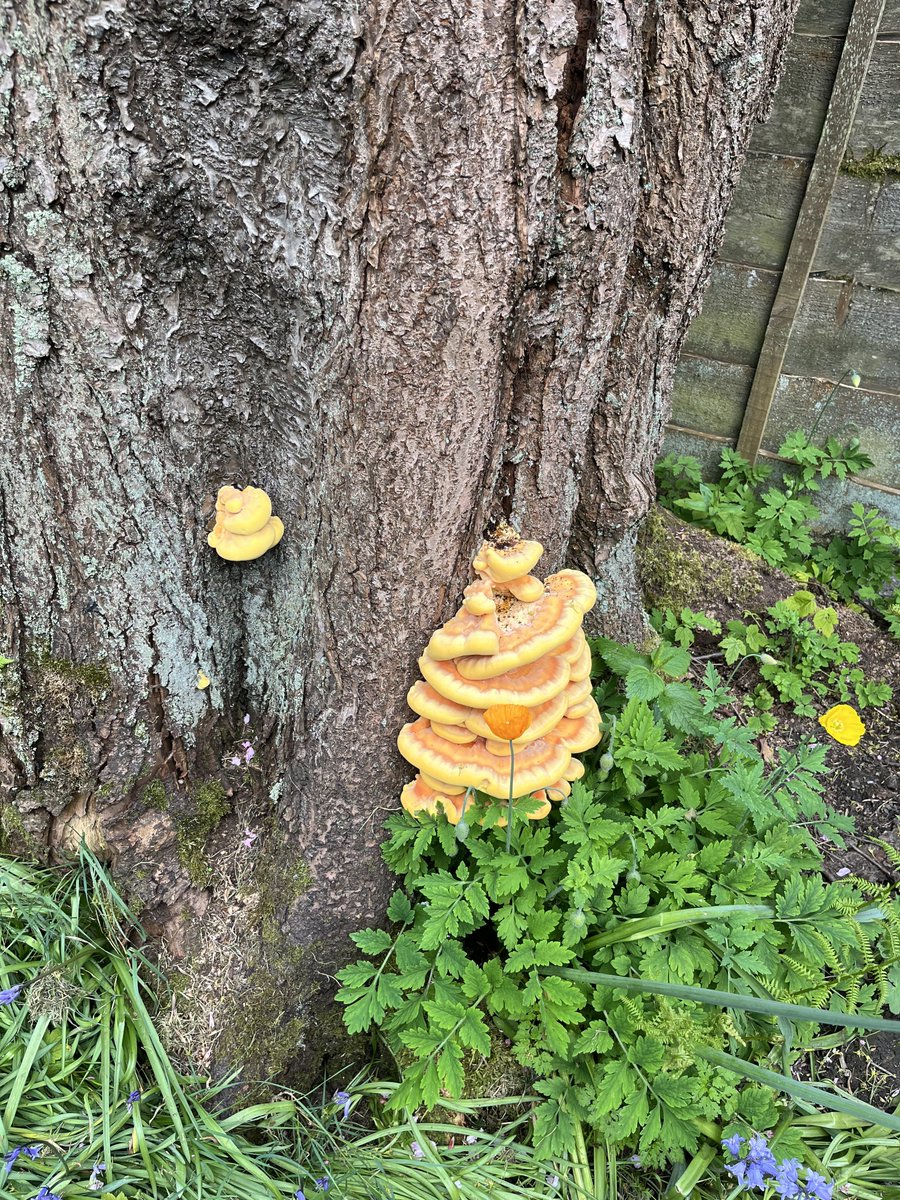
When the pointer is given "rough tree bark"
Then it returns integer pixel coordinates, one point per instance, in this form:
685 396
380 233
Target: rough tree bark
405 266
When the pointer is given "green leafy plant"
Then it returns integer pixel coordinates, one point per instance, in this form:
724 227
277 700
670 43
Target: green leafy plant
681 627
775 521
92 1104
678 865
800 656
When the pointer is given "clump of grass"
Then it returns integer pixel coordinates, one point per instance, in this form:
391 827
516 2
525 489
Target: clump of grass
88 1089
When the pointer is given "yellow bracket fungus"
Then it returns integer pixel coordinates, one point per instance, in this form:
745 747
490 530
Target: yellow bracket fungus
244 528
515 650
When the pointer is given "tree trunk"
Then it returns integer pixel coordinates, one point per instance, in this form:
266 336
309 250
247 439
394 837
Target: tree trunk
405 268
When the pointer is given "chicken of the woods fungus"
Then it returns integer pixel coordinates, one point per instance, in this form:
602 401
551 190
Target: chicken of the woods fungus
515 641
245 527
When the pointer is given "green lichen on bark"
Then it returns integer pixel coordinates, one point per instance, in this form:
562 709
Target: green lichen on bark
681 565
30 316
156 796
279 881
14 837
67 673
670 572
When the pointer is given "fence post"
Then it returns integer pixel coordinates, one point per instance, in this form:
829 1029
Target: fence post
848 84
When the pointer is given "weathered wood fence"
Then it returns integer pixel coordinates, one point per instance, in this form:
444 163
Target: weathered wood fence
807 284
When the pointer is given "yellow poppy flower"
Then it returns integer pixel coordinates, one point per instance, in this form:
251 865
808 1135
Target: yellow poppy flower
843 723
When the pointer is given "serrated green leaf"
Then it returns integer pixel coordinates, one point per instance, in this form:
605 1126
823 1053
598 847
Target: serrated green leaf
451 1071
372 941
399 908
671 660
643 684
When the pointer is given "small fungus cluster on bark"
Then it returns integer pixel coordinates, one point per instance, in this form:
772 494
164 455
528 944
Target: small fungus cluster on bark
244 528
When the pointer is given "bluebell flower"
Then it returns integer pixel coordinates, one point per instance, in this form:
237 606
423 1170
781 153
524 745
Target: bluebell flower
95 1183
133 1098
756 1166
11 994
733 1144
46 1194
323 1184
299 1194
10 1157
343 1098
787 1178
816 1187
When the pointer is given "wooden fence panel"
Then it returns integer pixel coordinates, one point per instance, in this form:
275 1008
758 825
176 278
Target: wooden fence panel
860 240
841 307
802 101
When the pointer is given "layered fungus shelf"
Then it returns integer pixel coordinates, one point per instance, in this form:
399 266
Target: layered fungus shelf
518 641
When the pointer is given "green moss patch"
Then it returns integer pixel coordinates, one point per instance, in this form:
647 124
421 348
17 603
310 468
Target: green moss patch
210 805
874 165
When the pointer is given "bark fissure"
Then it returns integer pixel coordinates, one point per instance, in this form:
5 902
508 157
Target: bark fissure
574 87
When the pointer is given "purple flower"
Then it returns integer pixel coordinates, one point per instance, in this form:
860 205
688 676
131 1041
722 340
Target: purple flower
299 1194
46 1194
816 1186
323 1184
246 718
756 1166
11 994
249 838
733 1144
133 1098
9 1158
787 1178
95 1183
344 1099
416 1150
248 751
737 1170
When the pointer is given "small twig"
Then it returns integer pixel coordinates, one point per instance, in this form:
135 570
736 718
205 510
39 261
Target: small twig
857 849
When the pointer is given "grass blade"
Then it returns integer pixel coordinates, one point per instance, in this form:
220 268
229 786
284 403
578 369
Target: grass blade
800 1091
23 1074
720 999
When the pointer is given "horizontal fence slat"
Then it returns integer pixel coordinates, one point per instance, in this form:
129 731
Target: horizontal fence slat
711 396
861 236
833 16
732 322
839 326
802 100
